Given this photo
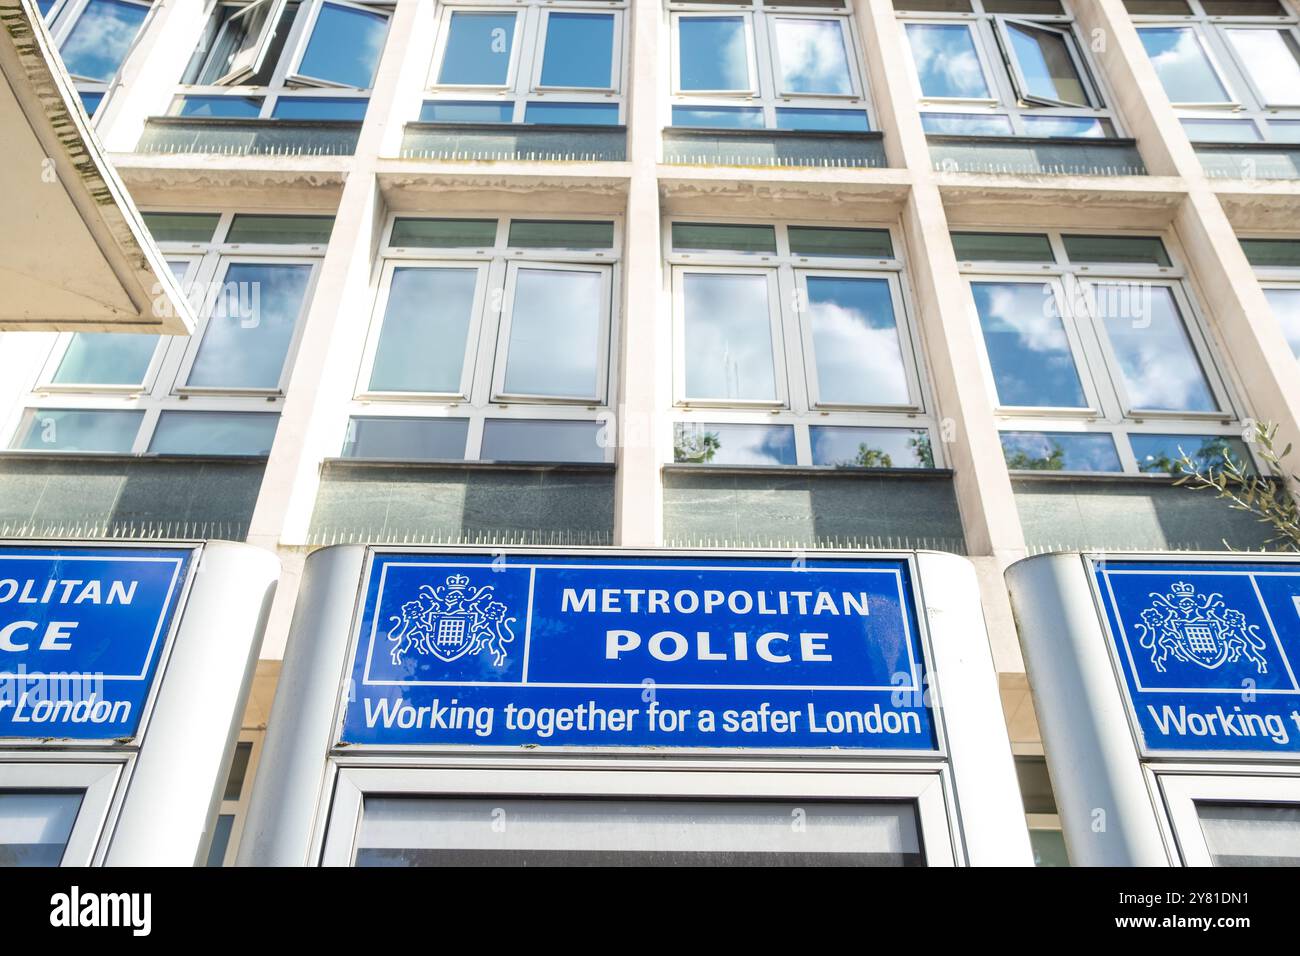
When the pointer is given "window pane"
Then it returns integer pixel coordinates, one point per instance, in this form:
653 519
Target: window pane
251 325
812 56
181 226
579 50
281 230
1002 247
723 444
90 100
478 49
714 53
425 331
728 337
448 111
842 121
966 124
320 108
225 107
843 243
214 433
1023 6
1049 847
1286 306
555 234
1027 345
946 61
850 447
220 839
855 340
1251 834
345 45
1046 64
238 771
573 114
1158 7
555 327
1144 250
103 34
1051 451
444 233
932 6
1243 8
1182 65
35 827
1160 369
1160 454
506 439
1221 131
1284 131
428 831
1273 62
719 117
407 439
60 429
106 358
723 238
1272 252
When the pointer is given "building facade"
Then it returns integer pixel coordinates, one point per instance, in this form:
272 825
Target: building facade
829 275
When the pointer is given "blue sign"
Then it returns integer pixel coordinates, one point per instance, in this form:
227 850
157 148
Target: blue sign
1206 651
81 633
638 652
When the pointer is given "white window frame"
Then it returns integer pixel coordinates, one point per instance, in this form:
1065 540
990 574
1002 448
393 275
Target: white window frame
1020 84
238 809
249 59
63 17
616 54
302 37
1286 278
98 783
1181 792
925 789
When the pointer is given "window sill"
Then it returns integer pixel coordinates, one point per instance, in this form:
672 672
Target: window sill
1100 477
811 471
458 464
24 455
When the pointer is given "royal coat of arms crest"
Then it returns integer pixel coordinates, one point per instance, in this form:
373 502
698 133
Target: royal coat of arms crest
451 621
1198 629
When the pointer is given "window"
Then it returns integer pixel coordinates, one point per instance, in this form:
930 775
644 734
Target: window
234 801
533 62
94 38
216 393
1232 70
491 339
1002 68
1095 357
1277 264
1234 819
285 59
793 347
53 814
762 64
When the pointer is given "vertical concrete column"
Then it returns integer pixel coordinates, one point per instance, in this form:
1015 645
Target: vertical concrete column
645 346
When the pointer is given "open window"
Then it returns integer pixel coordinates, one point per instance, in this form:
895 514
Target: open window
1045 65
243 42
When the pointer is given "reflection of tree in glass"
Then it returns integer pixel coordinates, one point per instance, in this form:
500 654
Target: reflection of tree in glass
695 446
1023 461
1214 454
920 444
868 457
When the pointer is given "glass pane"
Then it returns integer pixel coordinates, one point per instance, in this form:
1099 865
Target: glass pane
947 63
320 108
723 444
407 439
812 56
1243 8
214 433
842 121
555 327
572 114
35 827
723 238
1144 250
45 6
1049 847
478 49
1284 131
1052 451
713 52
728 337
1221 131
444 233
220 839
1027 345
181 226
101 38
425 331
457 831
855 340
509 439
1251 834
932 6
719 117
448 111
1182 65
1046 64
225 107
61 429
1158 7
966 124
1002 247
90 100
1083 127
281 230
1273 62
555 234
1035 785
106 358
850 447
1160 454
1023 6
238 770
345 45
238 38
844 243
579 50
1272 252
250 327
1286 306
1160 369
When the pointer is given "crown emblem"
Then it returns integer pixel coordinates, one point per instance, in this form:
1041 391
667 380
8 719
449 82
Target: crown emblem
458 581
451 621
1183 589
1199 629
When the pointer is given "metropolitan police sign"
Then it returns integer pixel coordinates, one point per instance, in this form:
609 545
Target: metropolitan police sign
82 630
617 650
1206 652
